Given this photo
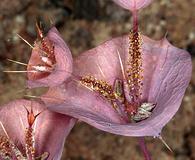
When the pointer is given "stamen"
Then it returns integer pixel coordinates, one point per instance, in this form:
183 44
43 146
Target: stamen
48 47
29 140
30 44
29 133
7 147
79 82
134 72
102 87
43 58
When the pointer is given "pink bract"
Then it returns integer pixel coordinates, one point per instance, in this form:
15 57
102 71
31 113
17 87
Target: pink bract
51 129
133 4
167 72
63 62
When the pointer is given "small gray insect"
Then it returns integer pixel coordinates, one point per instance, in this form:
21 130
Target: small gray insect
143 112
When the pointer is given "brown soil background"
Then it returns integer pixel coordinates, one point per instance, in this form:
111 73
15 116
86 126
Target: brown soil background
84 24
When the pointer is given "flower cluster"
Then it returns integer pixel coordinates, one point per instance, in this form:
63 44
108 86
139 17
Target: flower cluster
130 85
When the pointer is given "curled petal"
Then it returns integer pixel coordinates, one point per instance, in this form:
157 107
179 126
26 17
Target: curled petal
172 75
50 129
50 58
166 72
133 4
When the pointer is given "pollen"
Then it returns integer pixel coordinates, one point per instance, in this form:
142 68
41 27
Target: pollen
5 147
100 86
29 140
134 70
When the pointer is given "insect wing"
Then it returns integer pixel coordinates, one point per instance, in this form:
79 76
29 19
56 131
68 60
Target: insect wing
148 106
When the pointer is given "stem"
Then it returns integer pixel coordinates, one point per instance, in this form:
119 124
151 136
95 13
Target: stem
144 148
135 21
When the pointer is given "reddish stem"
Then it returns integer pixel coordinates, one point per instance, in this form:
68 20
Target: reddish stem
135 21
144 148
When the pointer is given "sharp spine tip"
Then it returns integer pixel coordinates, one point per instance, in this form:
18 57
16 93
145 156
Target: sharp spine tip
163 141
25 41
17 62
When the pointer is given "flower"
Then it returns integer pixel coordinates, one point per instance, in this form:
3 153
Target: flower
166 72
29 131
50 63
133 4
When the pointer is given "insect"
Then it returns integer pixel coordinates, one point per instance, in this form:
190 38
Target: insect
143 112
125 92
115 95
